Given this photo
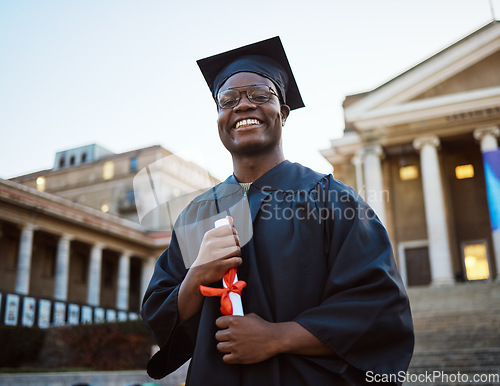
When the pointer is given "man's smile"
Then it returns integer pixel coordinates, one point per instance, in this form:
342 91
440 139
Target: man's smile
246 123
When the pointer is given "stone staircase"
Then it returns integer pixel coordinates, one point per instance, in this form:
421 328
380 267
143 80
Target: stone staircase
457 331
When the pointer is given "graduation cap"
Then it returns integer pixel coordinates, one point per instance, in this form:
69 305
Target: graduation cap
266 58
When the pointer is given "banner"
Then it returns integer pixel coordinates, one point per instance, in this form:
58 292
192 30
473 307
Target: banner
492 173
99 315
73 314
44 313
59 314
11 310
122 316
28 318
110 316
86 314
133 316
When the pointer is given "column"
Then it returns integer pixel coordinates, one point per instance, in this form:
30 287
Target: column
123 281
24 259
148 267
94 282
435 214
374 186
487 137
357 161
62 268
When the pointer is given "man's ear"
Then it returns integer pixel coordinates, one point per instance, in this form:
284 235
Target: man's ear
285 110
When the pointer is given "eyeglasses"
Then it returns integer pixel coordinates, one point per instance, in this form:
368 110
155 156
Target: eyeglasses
256 93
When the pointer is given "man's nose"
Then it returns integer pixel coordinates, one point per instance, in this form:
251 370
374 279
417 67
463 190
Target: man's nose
244 103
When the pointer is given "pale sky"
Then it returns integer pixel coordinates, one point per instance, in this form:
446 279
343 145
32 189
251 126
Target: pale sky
123 73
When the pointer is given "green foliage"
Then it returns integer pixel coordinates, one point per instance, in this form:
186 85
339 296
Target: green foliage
19 345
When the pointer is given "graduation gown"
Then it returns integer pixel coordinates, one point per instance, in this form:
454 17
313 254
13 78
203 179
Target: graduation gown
315 253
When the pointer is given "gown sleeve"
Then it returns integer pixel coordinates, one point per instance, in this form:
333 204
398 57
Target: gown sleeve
160 314
364 316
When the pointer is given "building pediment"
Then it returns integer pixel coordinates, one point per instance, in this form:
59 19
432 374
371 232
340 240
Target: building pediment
483 74
464 77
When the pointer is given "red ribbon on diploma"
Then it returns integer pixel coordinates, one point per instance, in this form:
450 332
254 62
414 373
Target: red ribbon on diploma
225 303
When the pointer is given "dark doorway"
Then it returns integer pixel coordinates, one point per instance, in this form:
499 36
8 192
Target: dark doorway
418 271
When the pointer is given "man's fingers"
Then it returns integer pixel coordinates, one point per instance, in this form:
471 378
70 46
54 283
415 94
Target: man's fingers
228 240
225 230
231 262
223 321
221 246
222 242
222 336
232 251
223 264
225 235
230 359
224 347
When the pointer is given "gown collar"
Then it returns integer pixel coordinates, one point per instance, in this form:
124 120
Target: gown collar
286 176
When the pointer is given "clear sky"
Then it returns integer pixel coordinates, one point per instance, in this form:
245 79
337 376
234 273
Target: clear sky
123 73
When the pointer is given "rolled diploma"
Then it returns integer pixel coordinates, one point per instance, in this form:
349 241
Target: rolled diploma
234 297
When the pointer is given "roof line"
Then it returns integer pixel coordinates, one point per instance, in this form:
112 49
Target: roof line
439 53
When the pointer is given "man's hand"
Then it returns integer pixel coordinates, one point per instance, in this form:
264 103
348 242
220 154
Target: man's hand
246 339
219 252
250 339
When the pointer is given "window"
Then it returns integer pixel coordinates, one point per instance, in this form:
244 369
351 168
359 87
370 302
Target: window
40 184
108 170
133 164
476 261
84 157
72 160
61 162
408 172
464 171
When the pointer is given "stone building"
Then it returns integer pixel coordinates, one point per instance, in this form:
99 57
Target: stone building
75 247
96 177
60 252
413 149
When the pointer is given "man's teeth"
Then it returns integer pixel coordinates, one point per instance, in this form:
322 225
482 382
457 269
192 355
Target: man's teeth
247 122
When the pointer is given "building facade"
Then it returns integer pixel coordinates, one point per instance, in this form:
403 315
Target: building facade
113 183
78 242
414 147
70 255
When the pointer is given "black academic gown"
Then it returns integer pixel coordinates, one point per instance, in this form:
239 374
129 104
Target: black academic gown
318 256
